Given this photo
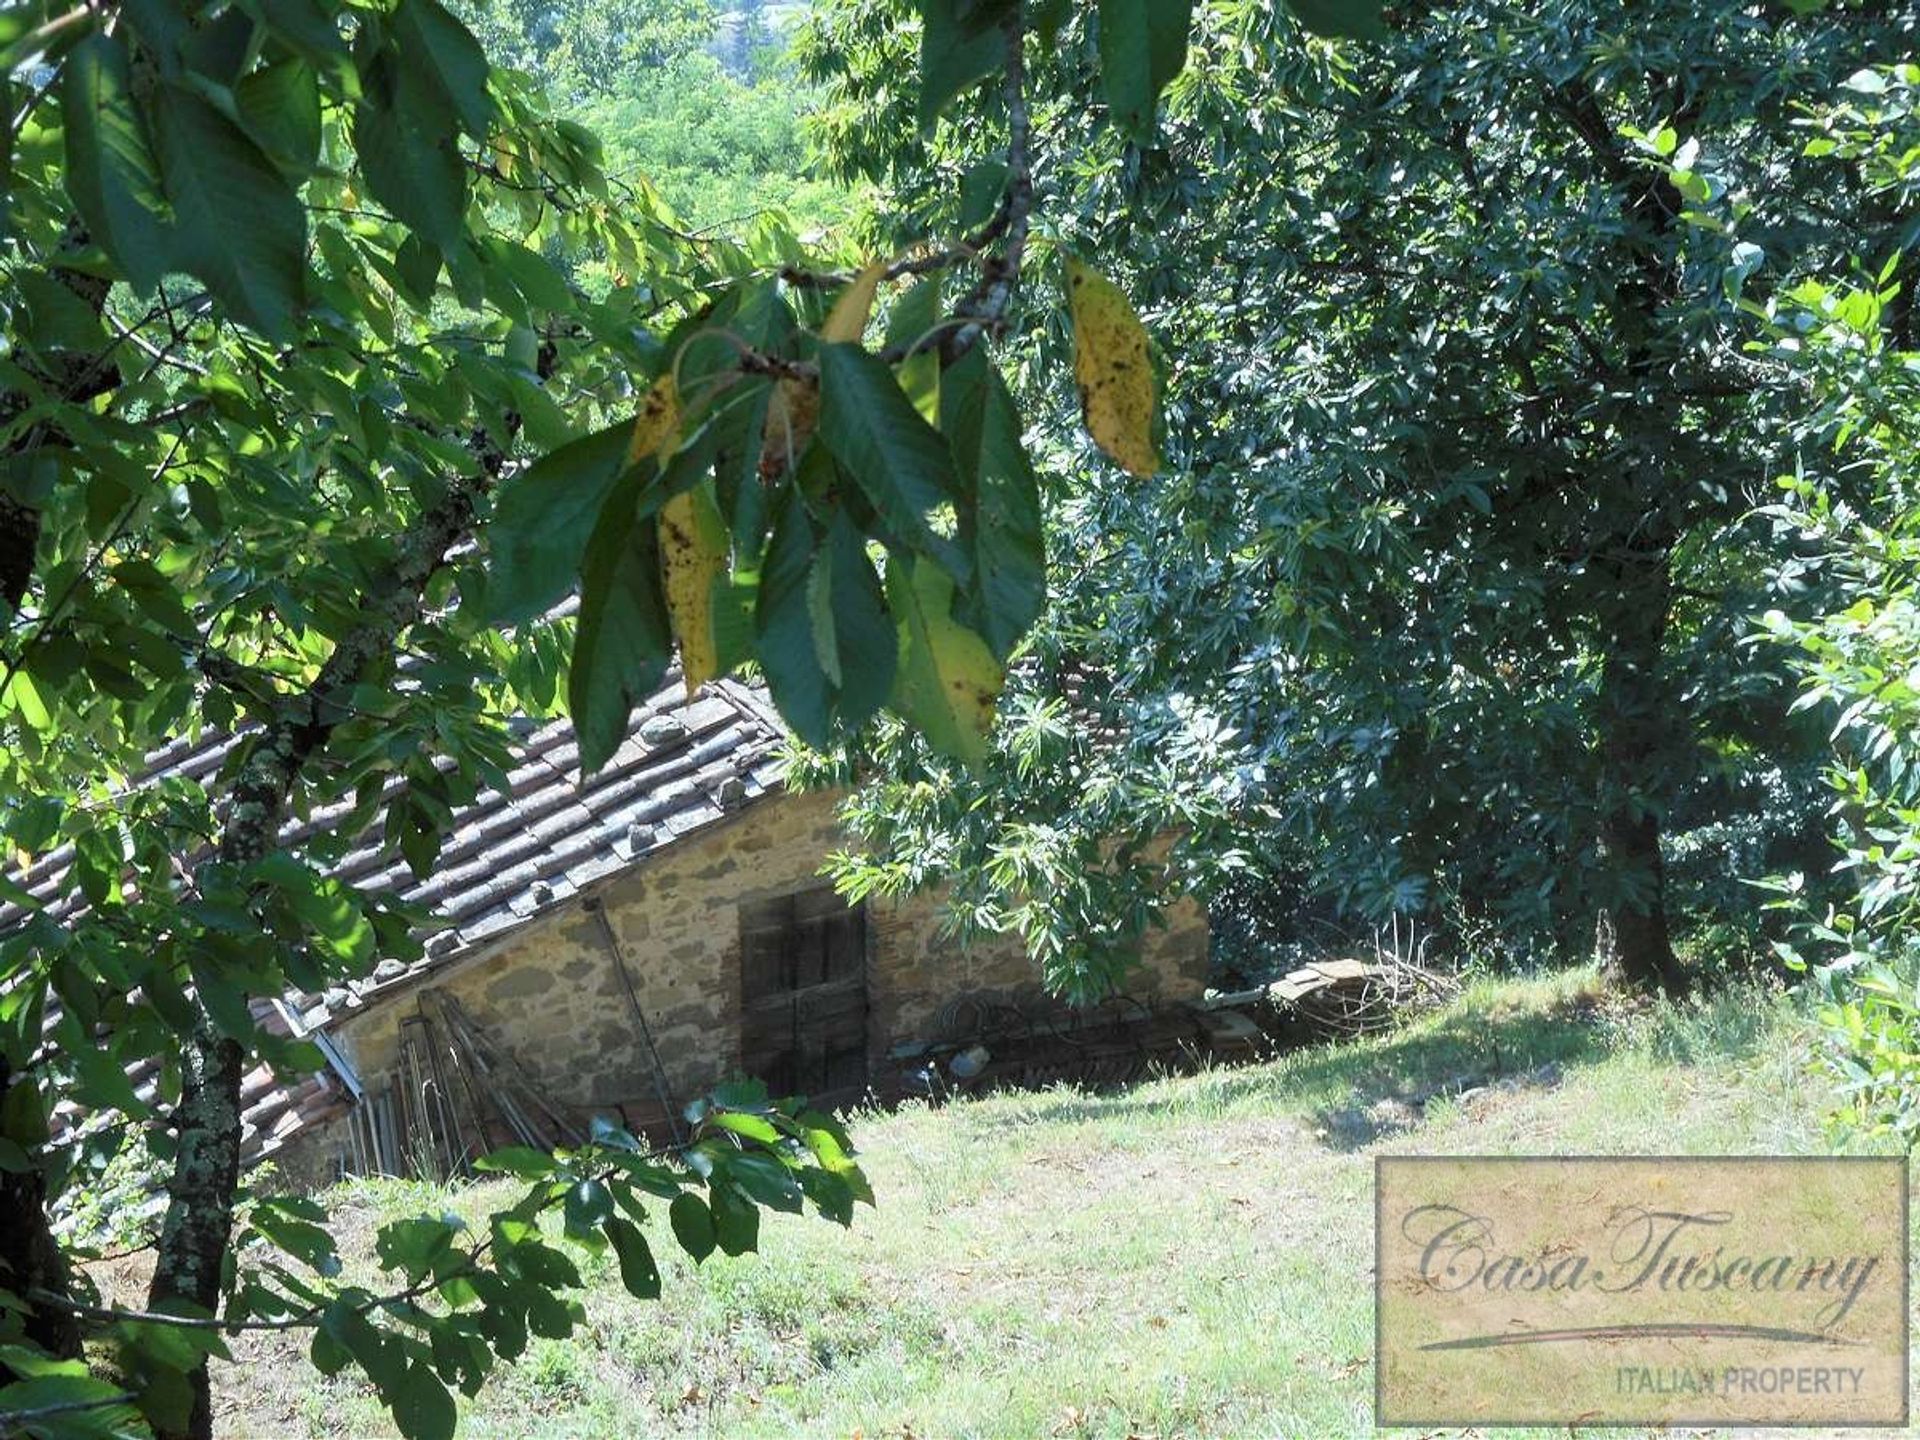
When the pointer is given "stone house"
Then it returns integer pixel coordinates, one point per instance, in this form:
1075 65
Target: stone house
619 946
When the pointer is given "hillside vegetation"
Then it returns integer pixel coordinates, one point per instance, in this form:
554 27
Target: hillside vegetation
1190 1257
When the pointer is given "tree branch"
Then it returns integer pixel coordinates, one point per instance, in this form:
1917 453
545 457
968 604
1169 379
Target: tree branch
206 1169
984 311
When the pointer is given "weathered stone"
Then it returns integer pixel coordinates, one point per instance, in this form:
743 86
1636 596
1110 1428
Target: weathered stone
551 996
521 982
658 730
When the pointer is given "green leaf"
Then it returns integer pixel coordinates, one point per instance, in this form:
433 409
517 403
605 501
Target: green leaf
104 1082
952 60
1350 19
1143 45
980 191
163 31
240 228
604 1131
415 1245
27 699
692 1224
899 461
949 681
784 622
177 1347
977 15
736 1223
912 322
766 1179
432 39
421 1404
156 595
831 1194
23 1115
376 1352
56 317
49 1392
1046 17
532 274
638 1272
216 46
1001 527
302 1239
587 1206
327 911
417 264
28 1363
305 27
521 1160
111 172
622 643
33 825
548 1316
410 152
753 1127
280 106
542 521
327 1354
865 646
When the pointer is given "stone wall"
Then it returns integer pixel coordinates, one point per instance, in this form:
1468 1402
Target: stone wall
551 993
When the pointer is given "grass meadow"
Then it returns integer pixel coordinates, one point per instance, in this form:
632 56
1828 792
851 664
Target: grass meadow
1190 1257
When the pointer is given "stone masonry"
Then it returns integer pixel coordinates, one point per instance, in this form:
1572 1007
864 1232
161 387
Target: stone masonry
549 992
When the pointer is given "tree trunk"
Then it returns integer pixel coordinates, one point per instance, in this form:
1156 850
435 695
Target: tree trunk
195 1235
1633 723
206 1176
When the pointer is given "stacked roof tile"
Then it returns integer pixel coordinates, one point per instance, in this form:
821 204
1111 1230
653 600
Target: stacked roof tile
514 854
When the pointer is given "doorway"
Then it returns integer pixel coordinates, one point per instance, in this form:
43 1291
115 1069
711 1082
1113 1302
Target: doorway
803 994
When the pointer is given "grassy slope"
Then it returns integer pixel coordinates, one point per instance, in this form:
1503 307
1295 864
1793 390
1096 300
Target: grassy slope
1191 1257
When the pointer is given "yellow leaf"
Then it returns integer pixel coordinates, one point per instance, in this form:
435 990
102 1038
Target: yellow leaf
693 555
948 683
656 429
1111 368
848 320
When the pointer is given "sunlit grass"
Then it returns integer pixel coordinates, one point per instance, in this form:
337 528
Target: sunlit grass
1189 1257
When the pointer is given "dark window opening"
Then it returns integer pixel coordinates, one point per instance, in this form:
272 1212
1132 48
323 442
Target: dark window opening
803 994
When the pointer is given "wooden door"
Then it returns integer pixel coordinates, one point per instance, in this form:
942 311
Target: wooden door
803 994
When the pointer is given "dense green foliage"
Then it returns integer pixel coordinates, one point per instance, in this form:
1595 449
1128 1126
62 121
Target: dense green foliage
1442 607
1851 338
719 149
692 100
292 290
333 364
